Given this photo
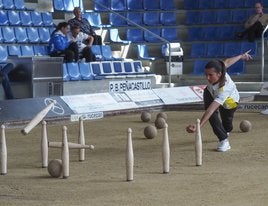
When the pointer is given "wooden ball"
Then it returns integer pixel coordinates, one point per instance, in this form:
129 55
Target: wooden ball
245 126
160 123
150 132
55 168
145 116
163 115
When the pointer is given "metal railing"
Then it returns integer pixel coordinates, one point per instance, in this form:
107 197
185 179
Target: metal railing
262 53
150 32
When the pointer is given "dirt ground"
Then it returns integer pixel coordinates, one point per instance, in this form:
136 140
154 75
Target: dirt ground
237 177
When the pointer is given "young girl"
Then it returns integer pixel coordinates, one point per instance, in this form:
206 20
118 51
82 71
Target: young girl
60 46
220 96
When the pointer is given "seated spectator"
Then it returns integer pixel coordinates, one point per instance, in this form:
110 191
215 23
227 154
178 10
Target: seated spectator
255 25
83 42
4 71
84 25
60 46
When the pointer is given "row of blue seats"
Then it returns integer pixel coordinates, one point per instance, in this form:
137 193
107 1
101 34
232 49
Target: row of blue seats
211 33
100 70
137 35
116 5
225 49
150 18
103 53
221 4
25 34
12 4
236 69
21 50
217 16
25 18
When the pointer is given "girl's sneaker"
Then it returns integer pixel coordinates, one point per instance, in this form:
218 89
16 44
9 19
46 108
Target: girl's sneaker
223 146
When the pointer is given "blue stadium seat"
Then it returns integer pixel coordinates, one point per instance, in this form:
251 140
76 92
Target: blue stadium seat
102 5
215 50
40 50
85 71
3 53
13 18
167 5
149 37
36 18
136 17
3 18
21 34
208 17
143 53
44 34
198 50
58 5
33 35
168 18
221 4
117 20
25 18
96 51
8 34
107 53
115 38
96 69
94 18
47 19
239 17
8 4
169 34
1 4
251 3
68 5
225 33
195 34
246 46
135 35
148 5
27 50
237 4
14 50
193 17
117 67
199 67
206 4
210 33
107 69
151 18
224 16
65 74
237 68
135 5
118 5
191 4
73 71
19 4
232 49
128 68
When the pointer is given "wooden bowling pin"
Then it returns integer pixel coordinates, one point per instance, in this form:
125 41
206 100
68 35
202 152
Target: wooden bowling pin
65 153
129 156
165 150
198 144
71 145
81 139
44 145
3 151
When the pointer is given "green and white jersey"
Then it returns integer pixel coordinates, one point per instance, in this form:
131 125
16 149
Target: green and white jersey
227 96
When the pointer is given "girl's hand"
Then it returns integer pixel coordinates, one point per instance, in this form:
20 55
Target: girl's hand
246 56
191 128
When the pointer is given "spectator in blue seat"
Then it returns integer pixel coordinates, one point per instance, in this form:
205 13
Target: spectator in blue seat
83 42
84 25
255 25
4 71
60 46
